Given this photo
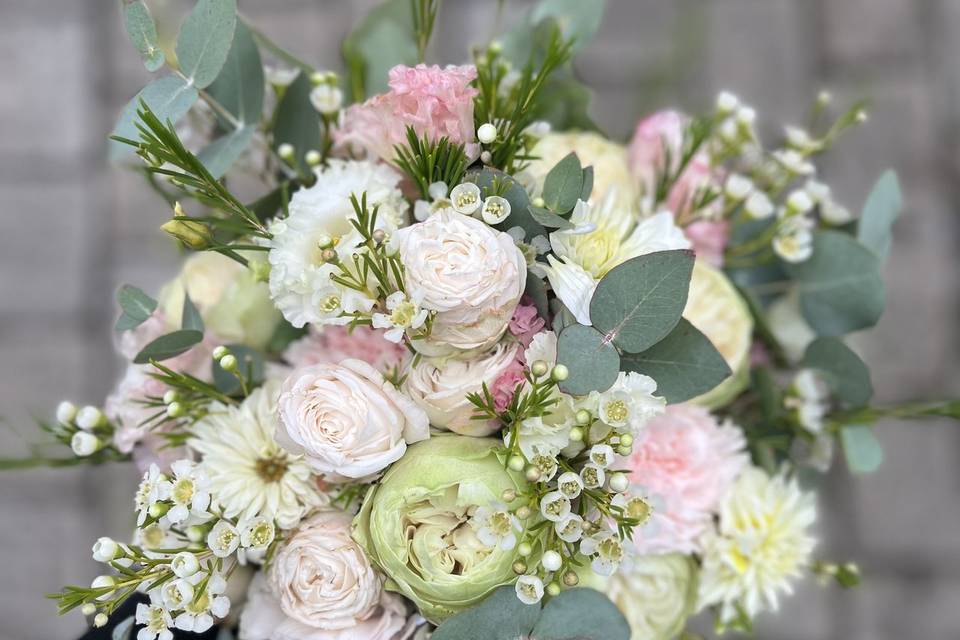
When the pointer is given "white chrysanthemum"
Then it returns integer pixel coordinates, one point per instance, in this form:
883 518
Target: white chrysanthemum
319 219
250 474
761 543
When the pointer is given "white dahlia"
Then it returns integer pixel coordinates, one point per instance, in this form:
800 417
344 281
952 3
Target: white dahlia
319 220
761 543
250 474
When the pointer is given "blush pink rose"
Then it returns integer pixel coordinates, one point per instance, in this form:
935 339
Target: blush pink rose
333 344
709 239
436 102
525 323
685 459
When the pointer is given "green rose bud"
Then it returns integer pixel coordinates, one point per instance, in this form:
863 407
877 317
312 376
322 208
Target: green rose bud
415 524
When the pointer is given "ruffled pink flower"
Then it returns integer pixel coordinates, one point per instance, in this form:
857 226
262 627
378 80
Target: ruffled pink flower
656 149
506 385
435 102
687 461
709 239
333 344
525 323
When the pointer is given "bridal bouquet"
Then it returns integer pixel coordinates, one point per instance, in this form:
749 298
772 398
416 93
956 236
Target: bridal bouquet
446 362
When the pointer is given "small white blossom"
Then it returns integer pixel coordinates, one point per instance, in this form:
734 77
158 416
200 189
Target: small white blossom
630 402
570 529
570 485
495 526
758 206
148 492
794 239
529 589
187 490
280 76
84 444
106 550
554 506
223 539
199 614
405 314
799 202
727 102
487 133
438 190
738 187
551 560
156 621
326 99
256 535
173 595
606 549
593 476
834 213
793 161
465 198
495 210
602 455
184 564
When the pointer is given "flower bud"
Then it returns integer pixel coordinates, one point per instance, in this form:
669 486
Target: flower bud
286 151
260 270
170 396
84 444
100 620
175 410
532 474
524 549
89 418
103 582
538 202
66 412
487 133
88 609
553 589
516 463
158 509
576 434
727 102
105 549
571 579
560 373
508 495
228 362
583 417
313 157
486 157
624 450
196 533
519 567
191 233
523 512
220 352
619 482
438 190
539 368
551 560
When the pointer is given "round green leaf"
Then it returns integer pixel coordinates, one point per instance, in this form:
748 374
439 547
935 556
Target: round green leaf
581 614
500 617
640 301
136 306
840 285
844 371
205 39
169 97
861 448
593 362
169 346
219 155
239 87
563 184
879 213
685 364
142 31
297 122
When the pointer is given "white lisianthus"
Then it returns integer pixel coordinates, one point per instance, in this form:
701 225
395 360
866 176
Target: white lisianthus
761 543
234 306
471 275
347 420
440 387
319 219
405 314
250 473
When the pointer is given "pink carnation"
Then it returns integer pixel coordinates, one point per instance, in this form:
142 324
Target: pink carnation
506 384
333 344
435 102
709 239
687 460
525 323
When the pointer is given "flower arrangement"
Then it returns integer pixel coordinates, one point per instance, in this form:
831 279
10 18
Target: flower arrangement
461 367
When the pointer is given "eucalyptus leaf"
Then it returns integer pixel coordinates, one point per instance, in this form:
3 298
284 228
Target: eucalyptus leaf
578 20
222 153
123 630
490 180
169 97
844 371
549 219
562 318
205 39
640 301
500 617
861 448
240 86
382 40
593 363
249 363
840 285
169 345
297 122
577 614
536 289
142 31
563 184
136 306
685 364
880 211
587 187
190 317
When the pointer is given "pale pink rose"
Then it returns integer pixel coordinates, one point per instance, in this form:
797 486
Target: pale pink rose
525 322
506 385
709 239
333 344
436 102
440 387
346 419
686 460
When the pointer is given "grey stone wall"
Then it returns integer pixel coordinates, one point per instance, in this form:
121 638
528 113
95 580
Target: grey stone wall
73 229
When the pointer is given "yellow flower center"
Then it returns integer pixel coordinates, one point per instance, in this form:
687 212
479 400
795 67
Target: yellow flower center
271 469
330 303
403 315
617 411
500 523
183 491
610 549
639 510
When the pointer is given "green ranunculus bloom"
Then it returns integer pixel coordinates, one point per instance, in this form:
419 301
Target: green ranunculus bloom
415 524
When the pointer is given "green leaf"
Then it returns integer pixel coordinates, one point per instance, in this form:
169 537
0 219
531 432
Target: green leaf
587 187
249 363
514 193
219 155
142 31
844 371
168 97
500 617
239 87
297 122
136 306
840 285
640 301
861 448
549 219
283 335
536 289
123 630
190 318
593 363
382 40
879 213
578 20
563 184
205 39
577 614
685 364
169 345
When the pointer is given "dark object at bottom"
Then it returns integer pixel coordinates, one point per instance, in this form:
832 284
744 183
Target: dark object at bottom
128 609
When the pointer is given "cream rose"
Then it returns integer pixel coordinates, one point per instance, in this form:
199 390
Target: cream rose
346 419
470 274
321 585
656 594
440 387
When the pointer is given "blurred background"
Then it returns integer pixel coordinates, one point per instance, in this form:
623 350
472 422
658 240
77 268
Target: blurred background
74 229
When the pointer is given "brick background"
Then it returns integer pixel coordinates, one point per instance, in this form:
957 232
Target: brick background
75 228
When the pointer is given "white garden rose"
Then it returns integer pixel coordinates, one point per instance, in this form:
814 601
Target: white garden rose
235 307
656 594
346 419
322 578
470 274
608 159
440 387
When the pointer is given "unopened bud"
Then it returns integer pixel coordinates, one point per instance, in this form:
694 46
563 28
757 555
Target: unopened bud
219 352
571 579
175 410
100 620
170 396
66 412
193 234
576 434
553 589
228 363
539 368
286 151
508 495
516 463
519 567
560 373
88 609
379 236
532 474
313 157
260 270
583 417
